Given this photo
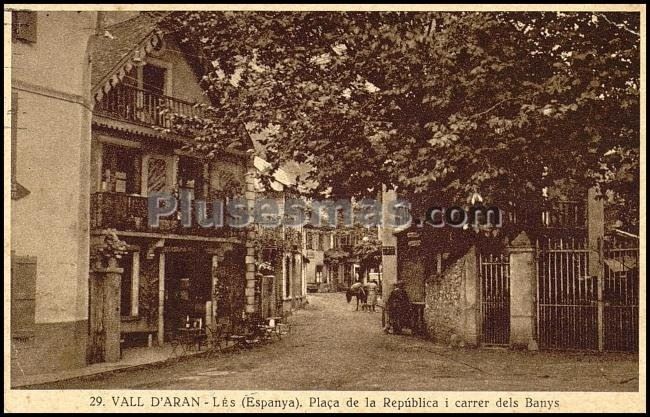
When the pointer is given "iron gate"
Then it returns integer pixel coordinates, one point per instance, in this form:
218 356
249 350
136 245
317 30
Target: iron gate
579 310
621 298
494 272
567 311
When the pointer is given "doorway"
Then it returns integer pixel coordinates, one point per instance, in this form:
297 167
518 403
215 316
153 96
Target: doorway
187 287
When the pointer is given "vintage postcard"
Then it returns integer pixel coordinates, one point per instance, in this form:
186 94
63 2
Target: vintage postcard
324 208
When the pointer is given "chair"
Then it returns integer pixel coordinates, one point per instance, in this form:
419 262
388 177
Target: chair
180 343
216 334
238 335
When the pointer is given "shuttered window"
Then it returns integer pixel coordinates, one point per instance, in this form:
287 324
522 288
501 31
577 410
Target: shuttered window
23 296
24 26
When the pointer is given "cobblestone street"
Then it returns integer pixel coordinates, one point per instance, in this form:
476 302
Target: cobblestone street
332 347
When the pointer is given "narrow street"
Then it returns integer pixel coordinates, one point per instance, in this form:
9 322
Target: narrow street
332 347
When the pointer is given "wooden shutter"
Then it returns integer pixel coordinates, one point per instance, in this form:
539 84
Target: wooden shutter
23 295
157 175
24 26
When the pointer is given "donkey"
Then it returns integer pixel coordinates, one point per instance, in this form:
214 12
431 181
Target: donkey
359 293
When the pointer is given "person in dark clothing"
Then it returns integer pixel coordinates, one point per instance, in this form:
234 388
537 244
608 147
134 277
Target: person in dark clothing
399 306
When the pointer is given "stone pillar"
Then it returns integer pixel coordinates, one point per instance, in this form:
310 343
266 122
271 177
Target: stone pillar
471 310
104 320
250 274
522 289
595 233
249 292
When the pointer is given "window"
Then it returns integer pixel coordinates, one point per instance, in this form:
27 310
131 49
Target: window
190 176
319 273
341 241
23 296
319 241
120 169
148 77
24 26
325 237
308 240
153 79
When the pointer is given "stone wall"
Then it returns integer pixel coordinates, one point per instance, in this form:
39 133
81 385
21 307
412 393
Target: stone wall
451 310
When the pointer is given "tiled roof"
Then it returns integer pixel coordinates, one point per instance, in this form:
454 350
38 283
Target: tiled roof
112 48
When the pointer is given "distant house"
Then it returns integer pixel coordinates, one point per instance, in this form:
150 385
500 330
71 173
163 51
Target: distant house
282 287
334 264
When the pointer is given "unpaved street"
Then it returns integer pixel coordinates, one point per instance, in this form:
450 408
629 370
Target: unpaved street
332 347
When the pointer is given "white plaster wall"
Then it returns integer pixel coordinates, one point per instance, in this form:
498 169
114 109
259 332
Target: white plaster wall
53 144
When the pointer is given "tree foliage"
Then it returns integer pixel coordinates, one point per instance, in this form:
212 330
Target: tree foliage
436 104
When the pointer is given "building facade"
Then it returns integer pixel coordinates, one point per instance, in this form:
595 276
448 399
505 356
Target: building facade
91 141
50 131
282 287
333 264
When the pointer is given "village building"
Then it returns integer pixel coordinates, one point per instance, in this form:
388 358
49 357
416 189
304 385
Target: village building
281 281
50 137
105 143
334 266
171 273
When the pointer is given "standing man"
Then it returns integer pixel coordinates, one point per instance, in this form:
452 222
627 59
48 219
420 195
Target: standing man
399 306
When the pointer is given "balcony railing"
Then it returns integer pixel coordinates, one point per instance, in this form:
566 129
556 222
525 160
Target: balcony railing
145 107
129 213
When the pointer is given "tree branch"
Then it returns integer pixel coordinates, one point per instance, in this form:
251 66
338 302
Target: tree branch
498 104
618 25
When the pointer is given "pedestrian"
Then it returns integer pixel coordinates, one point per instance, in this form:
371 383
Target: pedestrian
371 291
398 306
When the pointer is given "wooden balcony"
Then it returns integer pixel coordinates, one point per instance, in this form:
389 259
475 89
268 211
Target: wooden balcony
144 107
129 213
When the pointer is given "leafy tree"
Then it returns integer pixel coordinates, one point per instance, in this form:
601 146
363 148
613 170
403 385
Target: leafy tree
439 105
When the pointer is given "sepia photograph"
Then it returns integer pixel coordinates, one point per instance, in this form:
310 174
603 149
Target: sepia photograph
321 208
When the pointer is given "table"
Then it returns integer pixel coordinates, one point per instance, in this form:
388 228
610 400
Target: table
189 336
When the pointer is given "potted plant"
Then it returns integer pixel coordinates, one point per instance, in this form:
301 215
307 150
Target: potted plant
108 248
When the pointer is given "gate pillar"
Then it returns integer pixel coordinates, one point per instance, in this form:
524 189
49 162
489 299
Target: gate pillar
595 233
522 290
